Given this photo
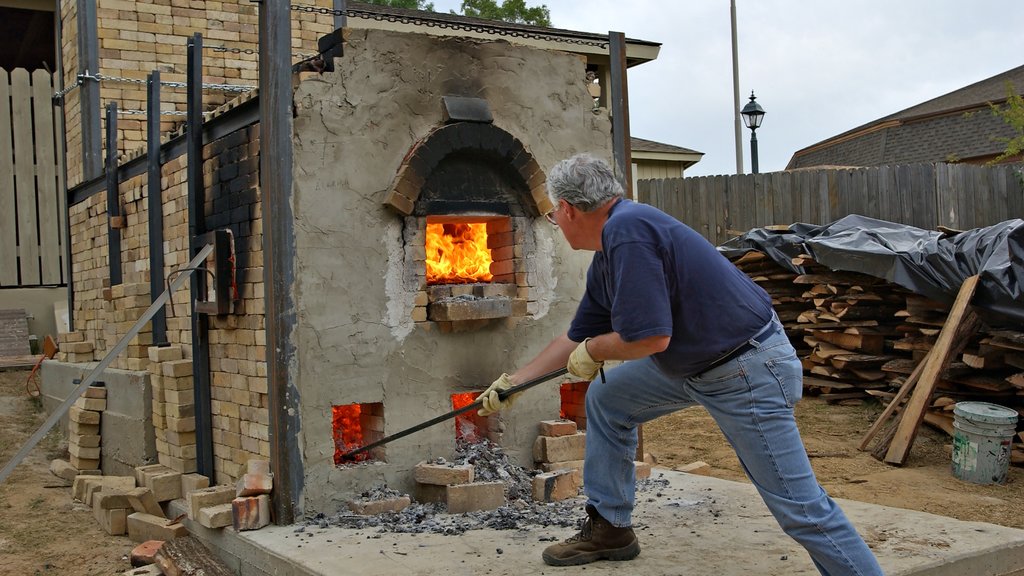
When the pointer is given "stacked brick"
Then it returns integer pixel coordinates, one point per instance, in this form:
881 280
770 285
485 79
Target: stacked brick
84 429
558 451
125 305
245 506
174 417
74 348
452 484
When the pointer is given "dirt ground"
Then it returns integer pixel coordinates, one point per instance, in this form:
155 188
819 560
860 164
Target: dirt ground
43 532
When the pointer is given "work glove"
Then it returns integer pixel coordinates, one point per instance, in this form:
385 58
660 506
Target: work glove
491 402
582 365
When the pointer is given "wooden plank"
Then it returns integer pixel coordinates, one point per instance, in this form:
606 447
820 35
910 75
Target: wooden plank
8 224
187 556
934 364
24 178
883 418
62 205
46 178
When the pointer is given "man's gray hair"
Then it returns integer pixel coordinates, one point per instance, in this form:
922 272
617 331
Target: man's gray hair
584 181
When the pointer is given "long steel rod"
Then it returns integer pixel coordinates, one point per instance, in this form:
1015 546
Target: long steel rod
477 404
59 412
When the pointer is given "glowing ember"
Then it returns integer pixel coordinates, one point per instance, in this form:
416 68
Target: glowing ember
348 433
466 424
457 253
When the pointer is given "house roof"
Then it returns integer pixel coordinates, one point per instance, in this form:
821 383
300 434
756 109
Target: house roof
935 130
378 16
642 145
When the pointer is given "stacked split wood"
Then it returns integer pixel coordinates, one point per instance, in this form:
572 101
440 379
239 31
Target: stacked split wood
859 336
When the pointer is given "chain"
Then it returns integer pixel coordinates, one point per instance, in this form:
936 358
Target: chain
131 112
440 23
248 51
221 87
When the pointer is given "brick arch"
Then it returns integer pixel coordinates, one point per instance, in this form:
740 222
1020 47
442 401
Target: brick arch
425 156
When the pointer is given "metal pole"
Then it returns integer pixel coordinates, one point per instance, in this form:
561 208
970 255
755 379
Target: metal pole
155 204
620 112
279 257
61 133
89 91
737 121
339 14
197 227
753 150
113 199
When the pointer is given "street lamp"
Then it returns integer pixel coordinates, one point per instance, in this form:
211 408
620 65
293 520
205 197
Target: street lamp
752 116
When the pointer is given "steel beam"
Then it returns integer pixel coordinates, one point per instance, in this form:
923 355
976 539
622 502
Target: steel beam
155 204
619 103
113 198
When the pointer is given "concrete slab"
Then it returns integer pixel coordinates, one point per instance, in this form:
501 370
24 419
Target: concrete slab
695 525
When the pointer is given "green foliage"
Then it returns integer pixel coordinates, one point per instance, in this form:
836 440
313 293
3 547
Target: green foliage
1013 114
408 4
509 11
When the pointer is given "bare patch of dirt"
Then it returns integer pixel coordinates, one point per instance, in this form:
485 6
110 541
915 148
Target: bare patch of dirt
42 531
831 434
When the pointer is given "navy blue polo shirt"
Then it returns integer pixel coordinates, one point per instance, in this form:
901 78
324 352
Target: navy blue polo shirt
655 276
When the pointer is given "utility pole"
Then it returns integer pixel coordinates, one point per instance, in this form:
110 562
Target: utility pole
738 124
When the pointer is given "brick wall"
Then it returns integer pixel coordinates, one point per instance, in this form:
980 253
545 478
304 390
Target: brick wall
104 313
136 38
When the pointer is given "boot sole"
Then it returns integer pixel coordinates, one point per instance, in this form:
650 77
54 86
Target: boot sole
618 554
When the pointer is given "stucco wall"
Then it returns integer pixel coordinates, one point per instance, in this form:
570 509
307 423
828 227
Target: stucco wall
356 340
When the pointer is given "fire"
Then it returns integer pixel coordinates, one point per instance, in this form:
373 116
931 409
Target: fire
466 424
457 253
348 433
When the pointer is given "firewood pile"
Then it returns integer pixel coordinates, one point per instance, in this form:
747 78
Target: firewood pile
860 337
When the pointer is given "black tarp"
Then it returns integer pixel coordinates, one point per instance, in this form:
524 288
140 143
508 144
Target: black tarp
930 263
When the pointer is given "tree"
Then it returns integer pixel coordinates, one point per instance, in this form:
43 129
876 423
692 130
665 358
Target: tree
409 4
509 11
1013 114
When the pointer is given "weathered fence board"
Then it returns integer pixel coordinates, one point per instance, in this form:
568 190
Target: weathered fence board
959 196
8 214
32 214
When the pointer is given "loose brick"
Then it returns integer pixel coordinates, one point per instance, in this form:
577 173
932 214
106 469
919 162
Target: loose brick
254 484
555 486
142 527
144 473
63 469
643 470
142 500
110 499
557 449
216 516
164 353
557 428
374 507
443 474
94 404
192 481
147 570
78 485
250 513
476 496
206 497
95 391
144 554
176 368
257 466
81 416
165 486
113 522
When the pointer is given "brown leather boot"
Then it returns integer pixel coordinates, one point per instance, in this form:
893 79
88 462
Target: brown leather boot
597 540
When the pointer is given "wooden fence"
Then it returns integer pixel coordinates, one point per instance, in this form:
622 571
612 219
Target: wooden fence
960 196
32 213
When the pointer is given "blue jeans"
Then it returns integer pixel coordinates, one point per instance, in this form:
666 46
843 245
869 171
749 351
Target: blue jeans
751 398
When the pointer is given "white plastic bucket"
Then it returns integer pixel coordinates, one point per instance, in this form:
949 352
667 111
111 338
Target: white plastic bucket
981 441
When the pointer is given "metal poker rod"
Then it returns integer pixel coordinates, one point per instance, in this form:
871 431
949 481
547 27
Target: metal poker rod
503 394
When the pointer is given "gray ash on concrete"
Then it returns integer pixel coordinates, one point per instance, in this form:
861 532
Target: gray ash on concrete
490 464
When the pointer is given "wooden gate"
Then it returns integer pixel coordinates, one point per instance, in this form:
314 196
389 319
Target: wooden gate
32 213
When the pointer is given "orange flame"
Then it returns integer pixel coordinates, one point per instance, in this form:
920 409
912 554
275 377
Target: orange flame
467 424
348 433
457 253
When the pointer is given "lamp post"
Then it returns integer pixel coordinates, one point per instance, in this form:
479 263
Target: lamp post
752 116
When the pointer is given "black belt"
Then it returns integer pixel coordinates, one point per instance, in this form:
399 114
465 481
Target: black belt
763 335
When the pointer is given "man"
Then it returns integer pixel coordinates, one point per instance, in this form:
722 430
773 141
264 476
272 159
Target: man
693 330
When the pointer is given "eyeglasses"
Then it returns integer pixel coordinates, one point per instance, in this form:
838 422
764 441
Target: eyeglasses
550 215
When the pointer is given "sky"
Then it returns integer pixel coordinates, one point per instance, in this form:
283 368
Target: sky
818 67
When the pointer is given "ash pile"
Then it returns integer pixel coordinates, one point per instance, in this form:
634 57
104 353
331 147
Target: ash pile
490 465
